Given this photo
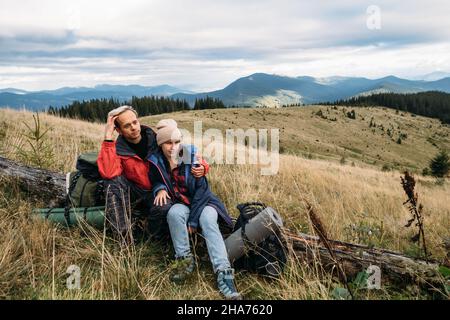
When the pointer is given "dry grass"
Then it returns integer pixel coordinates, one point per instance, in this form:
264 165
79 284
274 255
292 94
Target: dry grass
69 138
352 200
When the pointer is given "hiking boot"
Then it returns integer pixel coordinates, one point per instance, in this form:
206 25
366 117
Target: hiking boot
225 283
182 269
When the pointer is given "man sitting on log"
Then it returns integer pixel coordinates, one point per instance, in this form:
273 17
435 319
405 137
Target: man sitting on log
124 166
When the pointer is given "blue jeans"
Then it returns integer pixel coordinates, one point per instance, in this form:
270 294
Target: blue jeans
177 219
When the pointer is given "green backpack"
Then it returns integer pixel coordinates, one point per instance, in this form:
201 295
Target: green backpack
85 187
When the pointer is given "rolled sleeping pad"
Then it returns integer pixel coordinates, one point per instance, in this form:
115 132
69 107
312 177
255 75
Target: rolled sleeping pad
94 216
256 230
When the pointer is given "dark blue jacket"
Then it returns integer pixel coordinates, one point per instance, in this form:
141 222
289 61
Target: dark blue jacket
199 195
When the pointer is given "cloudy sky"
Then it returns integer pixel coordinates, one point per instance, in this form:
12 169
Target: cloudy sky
204 45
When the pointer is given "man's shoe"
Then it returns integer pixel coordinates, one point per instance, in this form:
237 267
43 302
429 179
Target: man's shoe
182 268
225 283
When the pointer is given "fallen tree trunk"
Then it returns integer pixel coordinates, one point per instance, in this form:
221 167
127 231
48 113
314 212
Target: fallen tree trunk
49 187
39 184
354 258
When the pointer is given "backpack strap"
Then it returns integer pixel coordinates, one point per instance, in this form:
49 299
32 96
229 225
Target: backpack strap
47 214
67 213
85 213
248 209
68 202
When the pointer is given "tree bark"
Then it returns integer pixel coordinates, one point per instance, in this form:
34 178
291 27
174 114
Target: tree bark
39 184
394 266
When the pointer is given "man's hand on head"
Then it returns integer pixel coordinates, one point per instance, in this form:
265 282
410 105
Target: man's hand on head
109 128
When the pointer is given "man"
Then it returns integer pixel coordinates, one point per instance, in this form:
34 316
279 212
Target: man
124 166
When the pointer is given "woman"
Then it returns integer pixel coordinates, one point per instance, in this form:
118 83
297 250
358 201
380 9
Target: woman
195 206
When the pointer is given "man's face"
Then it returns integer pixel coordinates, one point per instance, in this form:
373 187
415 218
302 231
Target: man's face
129 126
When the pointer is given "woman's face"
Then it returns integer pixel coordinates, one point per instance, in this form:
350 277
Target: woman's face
171 149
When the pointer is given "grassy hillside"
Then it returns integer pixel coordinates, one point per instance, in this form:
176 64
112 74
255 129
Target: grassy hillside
327 133
359 203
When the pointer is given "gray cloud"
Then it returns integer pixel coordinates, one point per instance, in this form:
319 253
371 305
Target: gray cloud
205 44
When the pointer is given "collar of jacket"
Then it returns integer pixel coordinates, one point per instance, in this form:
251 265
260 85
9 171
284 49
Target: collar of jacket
187 154
123 149
187 157
157 159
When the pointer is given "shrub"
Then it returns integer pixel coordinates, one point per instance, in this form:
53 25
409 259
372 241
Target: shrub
440 164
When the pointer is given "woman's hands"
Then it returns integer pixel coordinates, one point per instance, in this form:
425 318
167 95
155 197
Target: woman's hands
161 198
192 230
198 170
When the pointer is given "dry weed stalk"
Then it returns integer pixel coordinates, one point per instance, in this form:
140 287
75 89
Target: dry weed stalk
319 228
408 183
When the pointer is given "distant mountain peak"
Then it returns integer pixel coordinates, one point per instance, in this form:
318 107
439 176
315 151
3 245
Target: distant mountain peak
391 77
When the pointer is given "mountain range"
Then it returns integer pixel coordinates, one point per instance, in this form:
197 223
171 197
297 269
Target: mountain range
256 90
262 89
39 100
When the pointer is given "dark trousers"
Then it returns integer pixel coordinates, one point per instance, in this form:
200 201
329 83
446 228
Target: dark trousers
124 199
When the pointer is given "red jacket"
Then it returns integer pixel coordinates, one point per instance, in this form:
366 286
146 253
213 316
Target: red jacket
117 158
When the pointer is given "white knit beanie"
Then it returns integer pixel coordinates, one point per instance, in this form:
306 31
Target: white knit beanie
167 129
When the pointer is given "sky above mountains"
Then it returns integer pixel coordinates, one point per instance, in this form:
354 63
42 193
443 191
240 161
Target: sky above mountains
204 45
